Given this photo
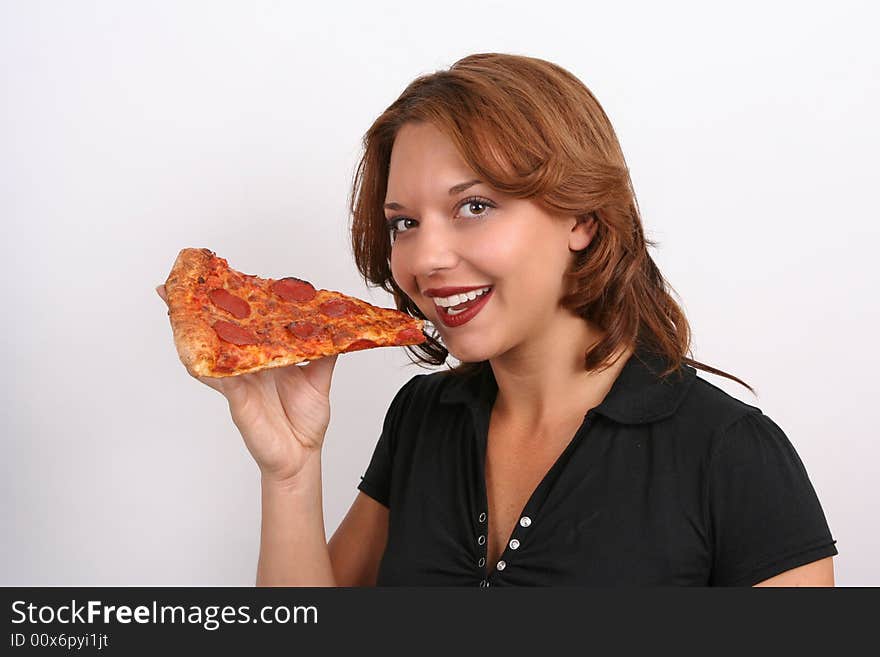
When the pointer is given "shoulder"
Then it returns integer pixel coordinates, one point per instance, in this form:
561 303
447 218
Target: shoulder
734 433
423 392
433 382
444 386
418 413
708 405
424 386
709 418
708 411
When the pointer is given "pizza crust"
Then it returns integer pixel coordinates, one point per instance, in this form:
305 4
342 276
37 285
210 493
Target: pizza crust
196 342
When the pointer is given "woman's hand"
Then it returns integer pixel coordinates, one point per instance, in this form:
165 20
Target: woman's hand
282 412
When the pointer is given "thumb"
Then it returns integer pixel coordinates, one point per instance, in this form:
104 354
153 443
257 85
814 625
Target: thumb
319 373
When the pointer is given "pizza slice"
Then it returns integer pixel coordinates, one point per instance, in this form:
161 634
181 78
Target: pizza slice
227 323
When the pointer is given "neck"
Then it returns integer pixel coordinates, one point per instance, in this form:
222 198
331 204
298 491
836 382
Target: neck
542 385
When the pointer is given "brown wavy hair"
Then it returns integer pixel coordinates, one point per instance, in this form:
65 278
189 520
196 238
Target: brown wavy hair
531 129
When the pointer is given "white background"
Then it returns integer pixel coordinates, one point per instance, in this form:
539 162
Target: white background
129 130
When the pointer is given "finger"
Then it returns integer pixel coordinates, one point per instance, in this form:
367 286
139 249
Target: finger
212 382
319 373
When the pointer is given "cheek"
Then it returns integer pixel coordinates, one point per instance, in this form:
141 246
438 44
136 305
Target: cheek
530 271
402 274
397 272
508 257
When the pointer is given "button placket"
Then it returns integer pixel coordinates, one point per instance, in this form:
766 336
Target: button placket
525 522
481 541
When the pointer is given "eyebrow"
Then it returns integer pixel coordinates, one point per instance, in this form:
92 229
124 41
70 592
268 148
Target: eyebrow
455 189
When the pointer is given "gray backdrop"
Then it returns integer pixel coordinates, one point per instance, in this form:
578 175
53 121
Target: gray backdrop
130 130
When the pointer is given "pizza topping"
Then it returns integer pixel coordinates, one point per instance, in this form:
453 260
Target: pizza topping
341 336
361 344
302 329
230 303
233 333
234 280
201 280
408 334
337 307
294 289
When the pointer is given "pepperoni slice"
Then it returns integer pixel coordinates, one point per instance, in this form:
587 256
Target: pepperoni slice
233 333
407 335
337 307
294 289
230 303
302 329
357 345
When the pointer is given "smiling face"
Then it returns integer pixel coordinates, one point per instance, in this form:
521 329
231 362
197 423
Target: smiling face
474 237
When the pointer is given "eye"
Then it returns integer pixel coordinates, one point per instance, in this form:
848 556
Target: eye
478 207
476 202
394 222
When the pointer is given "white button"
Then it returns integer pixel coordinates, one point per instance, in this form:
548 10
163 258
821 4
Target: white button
482 562
514 544
481 540
482 517
525 521
484 583
501 565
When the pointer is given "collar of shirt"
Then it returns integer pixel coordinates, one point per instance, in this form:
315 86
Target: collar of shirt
639 395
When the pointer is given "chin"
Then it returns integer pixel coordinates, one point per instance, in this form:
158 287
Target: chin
469 355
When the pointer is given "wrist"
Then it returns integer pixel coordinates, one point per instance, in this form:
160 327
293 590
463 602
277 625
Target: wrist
306 477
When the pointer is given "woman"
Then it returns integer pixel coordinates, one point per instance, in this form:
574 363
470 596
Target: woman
574 444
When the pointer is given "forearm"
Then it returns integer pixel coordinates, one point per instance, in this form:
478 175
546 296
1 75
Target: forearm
293 543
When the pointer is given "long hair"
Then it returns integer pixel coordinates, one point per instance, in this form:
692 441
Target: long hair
531 129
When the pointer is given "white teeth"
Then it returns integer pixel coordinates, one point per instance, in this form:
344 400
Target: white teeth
456 299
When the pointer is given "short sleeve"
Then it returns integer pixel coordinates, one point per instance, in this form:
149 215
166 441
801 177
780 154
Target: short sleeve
376 481
764 515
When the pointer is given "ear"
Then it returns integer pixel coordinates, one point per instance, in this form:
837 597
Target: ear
582 232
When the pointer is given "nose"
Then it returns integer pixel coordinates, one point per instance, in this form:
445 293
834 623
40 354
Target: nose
434 248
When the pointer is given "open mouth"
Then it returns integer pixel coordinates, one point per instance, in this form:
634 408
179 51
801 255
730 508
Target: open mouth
465 311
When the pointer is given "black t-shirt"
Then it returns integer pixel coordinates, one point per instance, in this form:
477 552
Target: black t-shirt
666 483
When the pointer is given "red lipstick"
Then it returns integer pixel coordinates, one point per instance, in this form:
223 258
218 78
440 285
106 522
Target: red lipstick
449 291
465 316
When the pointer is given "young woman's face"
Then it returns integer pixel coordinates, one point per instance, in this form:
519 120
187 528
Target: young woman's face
473 238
